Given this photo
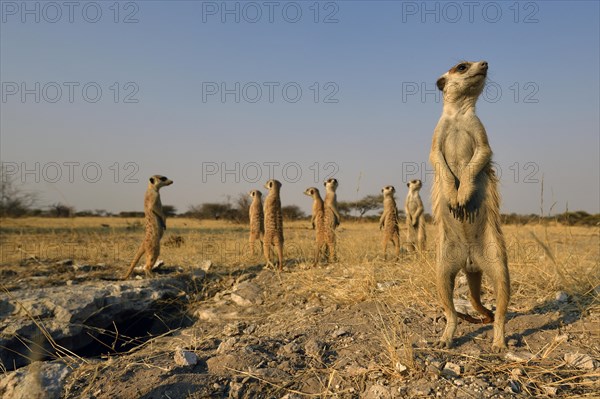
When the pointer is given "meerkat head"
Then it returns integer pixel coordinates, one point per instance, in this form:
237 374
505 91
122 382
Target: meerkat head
414 185
465 79
272 184
331 184
311 191
255 194
158 181
388 191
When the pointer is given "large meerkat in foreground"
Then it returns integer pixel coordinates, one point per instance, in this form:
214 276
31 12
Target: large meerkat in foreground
466 202
317 220
256 216
155 225
273 222
389 220
331 216
415 218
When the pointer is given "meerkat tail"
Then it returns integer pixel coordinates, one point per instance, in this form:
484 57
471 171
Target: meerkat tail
475 320
135 261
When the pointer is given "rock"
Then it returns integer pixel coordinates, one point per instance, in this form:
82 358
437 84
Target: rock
38 380
288 349
422 388
235 328
314 348
580 361
206 265
451 369
157 264
561 297
517 372
185 358
513 386
400 367
378 392
227 345
222 363
355 371
71 315
247 293
340 332
519 357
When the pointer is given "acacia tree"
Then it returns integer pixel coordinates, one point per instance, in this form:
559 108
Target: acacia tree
14 201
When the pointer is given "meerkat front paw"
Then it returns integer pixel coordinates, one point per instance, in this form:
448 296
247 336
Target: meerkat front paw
465 192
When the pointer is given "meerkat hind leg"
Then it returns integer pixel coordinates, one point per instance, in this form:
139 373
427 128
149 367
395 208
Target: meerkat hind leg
446 274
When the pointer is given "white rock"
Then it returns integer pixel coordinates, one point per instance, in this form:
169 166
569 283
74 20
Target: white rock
519 357
206 265
451 369
562 297
580 361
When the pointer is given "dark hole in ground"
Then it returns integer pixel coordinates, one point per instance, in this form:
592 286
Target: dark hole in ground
98 336
132 330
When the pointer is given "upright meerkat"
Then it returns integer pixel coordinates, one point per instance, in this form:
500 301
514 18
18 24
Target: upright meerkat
155 224
273 222
466 202
389 220
331 216
317 221
415 219
256 216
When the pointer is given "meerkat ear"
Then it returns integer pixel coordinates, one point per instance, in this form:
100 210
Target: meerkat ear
441 82
407 184
152 180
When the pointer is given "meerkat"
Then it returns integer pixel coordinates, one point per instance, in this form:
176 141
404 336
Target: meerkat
273 222
331 216
415 219
317 220
466 203
389 220
155 224
256 216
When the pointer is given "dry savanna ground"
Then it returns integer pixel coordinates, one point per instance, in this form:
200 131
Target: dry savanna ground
361 327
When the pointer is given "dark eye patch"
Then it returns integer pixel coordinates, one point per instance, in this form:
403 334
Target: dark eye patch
162 178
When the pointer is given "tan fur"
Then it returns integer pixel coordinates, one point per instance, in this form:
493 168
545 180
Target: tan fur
256 216
155 225
331 216
466 202
388 222
273 222
317 221
415 218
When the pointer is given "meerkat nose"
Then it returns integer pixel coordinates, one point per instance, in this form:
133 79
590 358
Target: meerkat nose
484 64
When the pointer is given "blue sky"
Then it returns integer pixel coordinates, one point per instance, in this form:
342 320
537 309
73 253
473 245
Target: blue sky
351 95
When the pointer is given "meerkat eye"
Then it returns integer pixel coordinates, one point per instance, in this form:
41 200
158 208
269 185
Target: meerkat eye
461 68
163 178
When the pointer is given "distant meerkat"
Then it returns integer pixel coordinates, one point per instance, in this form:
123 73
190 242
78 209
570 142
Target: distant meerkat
415 218
331 216
388 222
256 216
466 203
273 222
155 224
317 220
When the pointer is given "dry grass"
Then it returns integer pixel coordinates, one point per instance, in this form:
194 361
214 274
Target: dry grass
542 260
